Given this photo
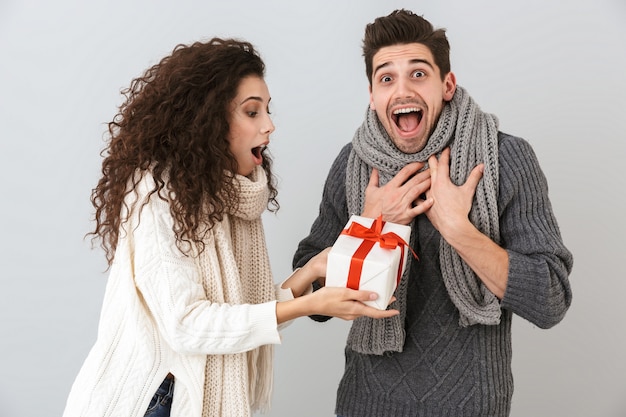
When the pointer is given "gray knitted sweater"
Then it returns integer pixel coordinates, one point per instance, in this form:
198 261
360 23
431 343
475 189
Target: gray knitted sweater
445 369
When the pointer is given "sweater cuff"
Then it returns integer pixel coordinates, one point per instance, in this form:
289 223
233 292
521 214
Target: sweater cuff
285 294
522 278
265 325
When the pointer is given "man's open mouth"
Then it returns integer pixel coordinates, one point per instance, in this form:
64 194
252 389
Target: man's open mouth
407 119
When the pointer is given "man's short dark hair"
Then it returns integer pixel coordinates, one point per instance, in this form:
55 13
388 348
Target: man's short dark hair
404 27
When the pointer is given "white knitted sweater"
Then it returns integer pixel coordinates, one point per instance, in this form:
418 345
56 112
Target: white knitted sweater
202 318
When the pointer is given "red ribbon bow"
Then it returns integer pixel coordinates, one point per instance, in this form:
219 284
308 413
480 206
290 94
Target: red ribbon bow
372 235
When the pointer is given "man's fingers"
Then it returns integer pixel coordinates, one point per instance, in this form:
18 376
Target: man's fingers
421 206
475 176
373 178
433 166
406 172
445 156
444 162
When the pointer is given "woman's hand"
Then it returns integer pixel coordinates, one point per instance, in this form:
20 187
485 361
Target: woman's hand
346 303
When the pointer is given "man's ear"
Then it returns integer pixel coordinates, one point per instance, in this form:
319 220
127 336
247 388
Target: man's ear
449 86
372 106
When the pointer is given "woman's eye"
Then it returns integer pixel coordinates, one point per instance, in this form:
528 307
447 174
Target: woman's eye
252 113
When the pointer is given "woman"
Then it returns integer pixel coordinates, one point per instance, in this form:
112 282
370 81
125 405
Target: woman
191 310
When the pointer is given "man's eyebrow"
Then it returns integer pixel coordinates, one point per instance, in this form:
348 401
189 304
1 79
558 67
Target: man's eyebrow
412 61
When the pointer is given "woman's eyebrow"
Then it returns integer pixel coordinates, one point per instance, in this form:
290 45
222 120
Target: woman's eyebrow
254 98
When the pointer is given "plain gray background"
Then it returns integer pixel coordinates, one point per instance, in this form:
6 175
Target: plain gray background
553 71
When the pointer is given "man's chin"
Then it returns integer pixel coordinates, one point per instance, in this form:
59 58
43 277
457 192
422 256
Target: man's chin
409 145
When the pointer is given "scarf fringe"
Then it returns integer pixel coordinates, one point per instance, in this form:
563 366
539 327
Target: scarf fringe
261 380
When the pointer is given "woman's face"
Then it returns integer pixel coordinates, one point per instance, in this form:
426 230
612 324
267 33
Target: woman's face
250 123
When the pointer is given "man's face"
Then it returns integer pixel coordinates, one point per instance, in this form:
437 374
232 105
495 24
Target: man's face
408 94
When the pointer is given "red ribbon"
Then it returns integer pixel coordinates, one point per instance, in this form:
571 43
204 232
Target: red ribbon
372 235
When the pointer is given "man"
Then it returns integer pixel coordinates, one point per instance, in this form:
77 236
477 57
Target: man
482 225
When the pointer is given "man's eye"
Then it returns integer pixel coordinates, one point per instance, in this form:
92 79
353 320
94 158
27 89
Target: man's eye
385 79
418 74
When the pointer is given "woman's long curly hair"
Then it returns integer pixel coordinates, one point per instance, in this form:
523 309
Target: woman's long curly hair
174 123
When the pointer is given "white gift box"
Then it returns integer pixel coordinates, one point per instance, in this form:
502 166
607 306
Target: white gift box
361 262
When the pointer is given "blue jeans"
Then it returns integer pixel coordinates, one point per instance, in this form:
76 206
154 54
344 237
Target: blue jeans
161 403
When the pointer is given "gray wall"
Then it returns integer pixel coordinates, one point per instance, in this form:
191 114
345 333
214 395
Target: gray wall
552 71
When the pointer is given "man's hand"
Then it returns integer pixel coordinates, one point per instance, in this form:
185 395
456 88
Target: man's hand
450 215
451 203
399 200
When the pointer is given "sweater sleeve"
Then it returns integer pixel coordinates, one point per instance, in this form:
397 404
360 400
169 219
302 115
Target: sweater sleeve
170 284
538 287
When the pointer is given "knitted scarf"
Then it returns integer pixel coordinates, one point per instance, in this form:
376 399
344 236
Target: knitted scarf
235 384
473 138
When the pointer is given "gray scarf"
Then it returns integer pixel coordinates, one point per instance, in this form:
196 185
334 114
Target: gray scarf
473 138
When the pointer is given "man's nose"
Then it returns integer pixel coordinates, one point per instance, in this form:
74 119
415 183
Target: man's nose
403 89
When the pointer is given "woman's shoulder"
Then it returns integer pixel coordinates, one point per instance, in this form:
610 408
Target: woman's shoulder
144 189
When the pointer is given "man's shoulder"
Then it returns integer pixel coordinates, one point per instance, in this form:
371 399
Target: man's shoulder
345 151
341 160
517 160
507 138
509 145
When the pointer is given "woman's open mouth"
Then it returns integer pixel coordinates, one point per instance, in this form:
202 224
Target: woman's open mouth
257 153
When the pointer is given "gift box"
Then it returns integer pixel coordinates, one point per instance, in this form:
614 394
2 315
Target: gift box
370 254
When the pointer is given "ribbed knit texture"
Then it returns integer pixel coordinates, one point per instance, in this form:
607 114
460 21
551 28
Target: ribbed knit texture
446 369
208 318
472 137
237 383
